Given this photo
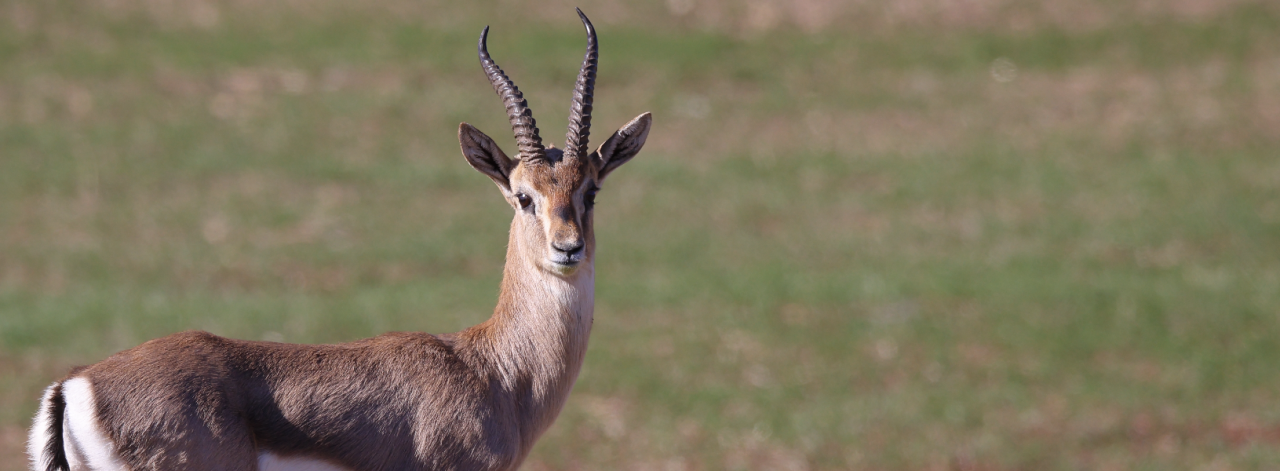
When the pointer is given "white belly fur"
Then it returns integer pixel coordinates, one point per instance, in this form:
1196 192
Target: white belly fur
87 447
273 462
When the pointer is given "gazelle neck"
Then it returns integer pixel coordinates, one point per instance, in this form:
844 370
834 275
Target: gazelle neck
537 336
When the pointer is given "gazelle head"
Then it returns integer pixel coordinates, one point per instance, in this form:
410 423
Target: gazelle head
552 190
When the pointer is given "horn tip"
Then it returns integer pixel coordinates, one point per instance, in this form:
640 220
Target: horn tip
583 16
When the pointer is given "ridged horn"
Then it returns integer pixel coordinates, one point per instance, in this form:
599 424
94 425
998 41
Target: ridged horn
580 111
522 122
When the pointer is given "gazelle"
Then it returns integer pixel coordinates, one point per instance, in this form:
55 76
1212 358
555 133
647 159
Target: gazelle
475 399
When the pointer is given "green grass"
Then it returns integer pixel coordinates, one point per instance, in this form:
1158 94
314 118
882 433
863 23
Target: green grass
841 248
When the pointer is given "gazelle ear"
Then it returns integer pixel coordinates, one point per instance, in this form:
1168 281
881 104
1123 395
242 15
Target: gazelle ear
484 155
624 144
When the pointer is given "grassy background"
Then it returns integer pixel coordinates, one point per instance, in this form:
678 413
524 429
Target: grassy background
901 235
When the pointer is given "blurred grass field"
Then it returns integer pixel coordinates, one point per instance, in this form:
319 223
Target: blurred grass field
886 236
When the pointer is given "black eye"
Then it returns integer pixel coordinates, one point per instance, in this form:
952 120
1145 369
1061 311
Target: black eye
524 200
589 198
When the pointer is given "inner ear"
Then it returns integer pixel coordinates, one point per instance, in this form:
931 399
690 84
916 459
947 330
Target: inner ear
624 144
485 155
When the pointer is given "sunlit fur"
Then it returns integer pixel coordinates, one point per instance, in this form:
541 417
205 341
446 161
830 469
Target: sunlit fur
472 400
40 435
476 399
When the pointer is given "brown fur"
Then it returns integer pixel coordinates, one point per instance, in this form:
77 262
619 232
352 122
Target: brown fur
476 399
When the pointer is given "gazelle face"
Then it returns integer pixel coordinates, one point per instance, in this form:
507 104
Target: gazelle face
552 190
553 203
554 198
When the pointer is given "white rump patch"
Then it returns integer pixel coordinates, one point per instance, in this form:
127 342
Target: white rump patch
86 445
273 462
39 437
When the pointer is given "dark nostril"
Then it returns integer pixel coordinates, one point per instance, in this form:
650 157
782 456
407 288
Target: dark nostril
569 248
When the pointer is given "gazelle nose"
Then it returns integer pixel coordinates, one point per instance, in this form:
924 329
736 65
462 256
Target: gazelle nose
570 247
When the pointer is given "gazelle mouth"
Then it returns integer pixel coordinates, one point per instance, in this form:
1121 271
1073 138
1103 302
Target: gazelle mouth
563 267
566 262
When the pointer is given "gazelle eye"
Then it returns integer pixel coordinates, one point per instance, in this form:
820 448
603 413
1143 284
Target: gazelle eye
524 200
589 199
